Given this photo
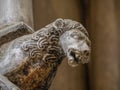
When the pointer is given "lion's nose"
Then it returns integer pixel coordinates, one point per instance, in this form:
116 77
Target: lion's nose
86 52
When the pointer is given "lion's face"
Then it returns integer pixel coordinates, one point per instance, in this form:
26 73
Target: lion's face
76 46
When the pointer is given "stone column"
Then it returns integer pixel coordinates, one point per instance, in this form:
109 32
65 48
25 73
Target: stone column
16 19
104 66
12 11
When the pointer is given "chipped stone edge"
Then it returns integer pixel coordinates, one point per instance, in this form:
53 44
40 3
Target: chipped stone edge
8 84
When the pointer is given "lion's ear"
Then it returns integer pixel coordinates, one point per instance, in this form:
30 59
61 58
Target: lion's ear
85 32
59 23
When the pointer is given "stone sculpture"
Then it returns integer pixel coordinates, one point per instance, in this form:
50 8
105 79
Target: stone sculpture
31 61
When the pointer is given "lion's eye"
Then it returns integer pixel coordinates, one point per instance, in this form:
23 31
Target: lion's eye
75 35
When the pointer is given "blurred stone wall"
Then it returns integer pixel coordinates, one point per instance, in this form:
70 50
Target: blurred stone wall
104 32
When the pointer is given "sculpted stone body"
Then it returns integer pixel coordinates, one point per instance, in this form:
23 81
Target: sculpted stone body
31 61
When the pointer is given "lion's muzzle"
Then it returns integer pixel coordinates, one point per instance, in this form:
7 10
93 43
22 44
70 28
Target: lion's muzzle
75 57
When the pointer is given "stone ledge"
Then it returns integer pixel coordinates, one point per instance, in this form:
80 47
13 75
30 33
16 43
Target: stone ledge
14 31
5 84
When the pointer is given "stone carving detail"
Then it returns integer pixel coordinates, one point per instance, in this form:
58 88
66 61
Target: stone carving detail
31 61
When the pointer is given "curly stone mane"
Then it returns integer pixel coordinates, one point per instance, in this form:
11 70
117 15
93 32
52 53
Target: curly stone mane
47 38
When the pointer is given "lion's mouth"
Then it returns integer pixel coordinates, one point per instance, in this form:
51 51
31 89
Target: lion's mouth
75 57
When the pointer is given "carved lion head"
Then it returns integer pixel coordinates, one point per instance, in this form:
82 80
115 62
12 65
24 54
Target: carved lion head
74 41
